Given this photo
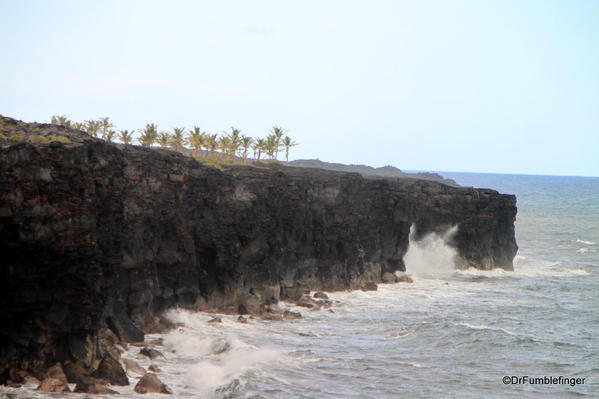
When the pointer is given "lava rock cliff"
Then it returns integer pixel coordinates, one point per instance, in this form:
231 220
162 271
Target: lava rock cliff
96 236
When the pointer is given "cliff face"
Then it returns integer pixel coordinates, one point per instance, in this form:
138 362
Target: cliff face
96 235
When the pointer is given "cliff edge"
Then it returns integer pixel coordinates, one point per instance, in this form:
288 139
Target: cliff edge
99 237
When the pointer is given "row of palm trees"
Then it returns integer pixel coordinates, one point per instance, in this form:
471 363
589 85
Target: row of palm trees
229 145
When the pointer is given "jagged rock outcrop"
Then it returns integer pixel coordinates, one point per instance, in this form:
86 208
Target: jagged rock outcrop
96 236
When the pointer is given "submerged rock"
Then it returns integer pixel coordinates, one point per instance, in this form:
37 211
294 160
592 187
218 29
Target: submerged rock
219 346
151 353
290 315
307 302
216 319
320 295
150 383
404 279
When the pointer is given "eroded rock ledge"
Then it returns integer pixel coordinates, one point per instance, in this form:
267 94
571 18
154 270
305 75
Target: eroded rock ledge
101 238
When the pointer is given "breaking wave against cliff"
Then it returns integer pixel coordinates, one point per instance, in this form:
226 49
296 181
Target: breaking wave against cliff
431 256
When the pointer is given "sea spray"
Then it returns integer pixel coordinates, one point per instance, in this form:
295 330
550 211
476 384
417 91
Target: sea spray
224 358
431 256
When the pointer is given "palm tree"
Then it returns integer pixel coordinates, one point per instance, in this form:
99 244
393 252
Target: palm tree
288 143
212 143
271 146
178 138
258 147
278 133
164 140
245 142
110 135
92 127
105 126
225 145
196 140
149 135
60 120
235 137
126 136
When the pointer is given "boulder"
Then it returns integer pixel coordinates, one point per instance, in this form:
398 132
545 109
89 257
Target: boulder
151 353
110 369
157 342
306 302
271 316
321 295
76 372
370 286
274 308
150 383
133 368
242 319
94 387
289 315
216 319
53 385
56 372
389 277
154 368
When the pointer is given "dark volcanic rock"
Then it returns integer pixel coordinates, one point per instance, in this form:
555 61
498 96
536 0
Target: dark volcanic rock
94 387
389 277
290 315
151 353
111 370
50 384
150 383
95 235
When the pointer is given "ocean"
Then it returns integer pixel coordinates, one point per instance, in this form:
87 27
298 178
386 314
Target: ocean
449 334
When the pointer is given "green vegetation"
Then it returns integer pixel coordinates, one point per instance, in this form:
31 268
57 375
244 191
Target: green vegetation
228 146
35 139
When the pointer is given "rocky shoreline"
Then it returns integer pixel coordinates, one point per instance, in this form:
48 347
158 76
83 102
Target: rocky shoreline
99 239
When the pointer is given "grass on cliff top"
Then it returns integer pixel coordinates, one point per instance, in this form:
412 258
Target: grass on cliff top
221 164
35 139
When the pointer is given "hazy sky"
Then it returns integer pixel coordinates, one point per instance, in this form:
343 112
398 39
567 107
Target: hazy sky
483 86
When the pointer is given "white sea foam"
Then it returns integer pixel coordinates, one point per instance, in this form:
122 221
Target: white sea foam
486 327
224 357
549 272
526 271
431 256
585 242
209 374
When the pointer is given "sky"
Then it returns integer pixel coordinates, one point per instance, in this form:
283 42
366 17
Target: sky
500 86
